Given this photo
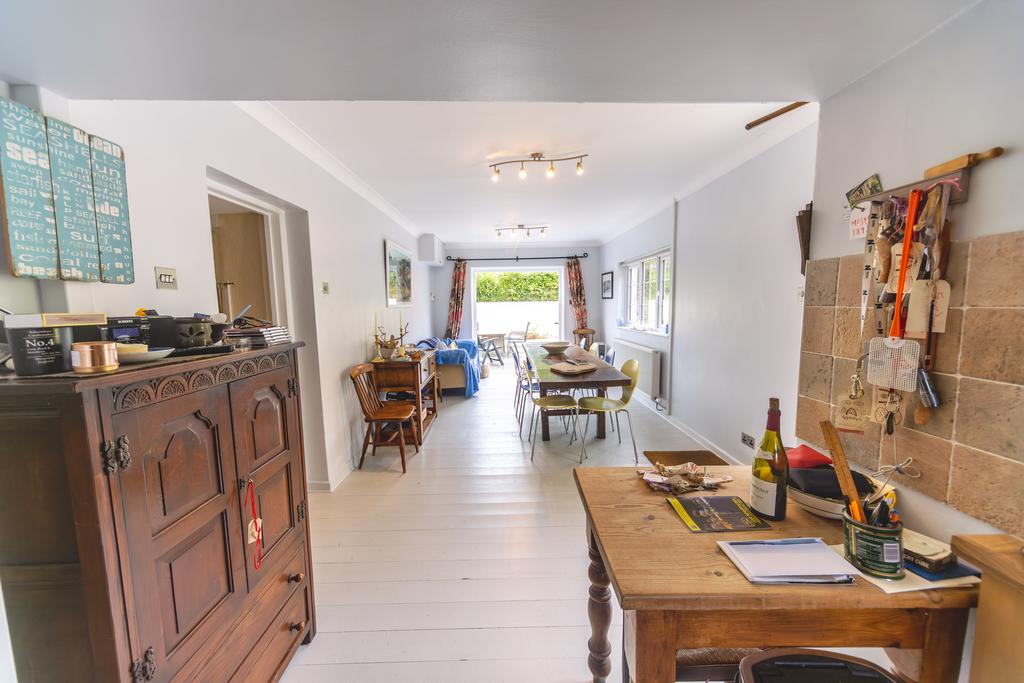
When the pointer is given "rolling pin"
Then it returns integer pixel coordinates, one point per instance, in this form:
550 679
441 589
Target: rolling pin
965 161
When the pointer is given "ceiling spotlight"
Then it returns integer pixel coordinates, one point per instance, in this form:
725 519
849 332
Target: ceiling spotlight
537 158
542 231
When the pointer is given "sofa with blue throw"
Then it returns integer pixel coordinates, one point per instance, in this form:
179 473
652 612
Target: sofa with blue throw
458 368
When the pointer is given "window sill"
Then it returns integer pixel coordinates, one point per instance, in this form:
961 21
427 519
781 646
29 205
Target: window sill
636 330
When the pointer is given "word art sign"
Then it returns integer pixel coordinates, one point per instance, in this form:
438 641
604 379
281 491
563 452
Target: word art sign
26 193
111 194
71 171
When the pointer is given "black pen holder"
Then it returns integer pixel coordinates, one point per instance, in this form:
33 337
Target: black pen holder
877 551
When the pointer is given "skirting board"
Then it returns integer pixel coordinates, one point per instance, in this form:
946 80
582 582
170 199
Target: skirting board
312 485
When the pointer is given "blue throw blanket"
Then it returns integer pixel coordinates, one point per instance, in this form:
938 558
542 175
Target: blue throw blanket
467 355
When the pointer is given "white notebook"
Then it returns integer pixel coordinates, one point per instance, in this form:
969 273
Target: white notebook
788 560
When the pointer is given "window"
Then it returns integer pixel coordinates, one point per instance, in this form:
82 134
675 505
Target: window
649 293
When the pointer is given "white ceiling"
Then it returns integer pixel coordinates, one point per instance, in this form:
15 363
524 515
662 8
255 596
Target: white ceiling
451 50
429 160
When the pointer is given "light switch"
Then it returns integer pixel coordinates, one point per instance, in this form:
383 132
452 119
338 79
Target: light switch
325 288
166 278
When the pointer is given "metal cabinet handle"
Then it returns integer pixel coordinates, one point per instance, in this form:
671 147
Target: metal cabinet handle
297 626
296 578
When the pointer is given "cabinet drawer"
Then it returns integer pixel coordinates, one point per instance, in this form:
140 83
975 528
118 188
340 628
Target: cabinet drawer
283 578
277 644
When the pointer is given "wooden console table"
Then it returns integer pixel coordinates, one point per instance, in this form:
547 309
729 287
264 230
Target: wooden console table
678 591
417 377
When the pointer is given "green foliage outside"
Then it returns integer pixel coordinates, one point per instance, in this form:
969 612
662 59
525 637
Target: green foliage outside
537 286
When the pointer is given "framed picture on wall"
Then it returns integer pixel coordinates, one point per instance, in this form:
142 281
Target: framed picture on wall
608 285
398 274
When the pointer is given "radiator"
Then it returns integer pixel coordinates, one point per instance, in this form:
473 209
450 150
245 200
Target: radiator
650 365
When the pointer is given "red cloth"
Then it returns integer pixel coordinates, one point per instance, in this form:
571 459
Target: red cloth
577 293
805 456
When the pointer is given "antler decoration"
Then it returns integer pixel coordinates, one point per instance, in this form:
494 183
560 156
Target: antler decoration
391 342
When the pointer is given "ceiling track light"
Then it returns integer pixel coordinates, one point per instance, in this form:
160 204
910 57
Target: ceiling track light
520 231
537 158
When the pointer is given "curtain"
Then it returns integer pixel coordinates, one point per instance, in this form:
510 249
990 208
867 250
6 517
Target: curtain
577 294
455 300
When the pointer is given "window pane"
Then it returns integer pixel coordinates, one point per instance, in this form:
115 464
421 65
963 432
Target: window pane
666 290
650 293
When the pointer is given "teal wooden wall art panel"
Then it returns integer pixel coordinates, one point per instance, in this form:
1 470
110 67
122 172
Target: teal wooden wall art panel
111 201
26 193
71 173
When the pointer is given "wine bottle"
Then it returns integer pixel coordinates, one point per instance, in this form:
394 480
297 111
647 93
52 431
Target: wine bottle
770 470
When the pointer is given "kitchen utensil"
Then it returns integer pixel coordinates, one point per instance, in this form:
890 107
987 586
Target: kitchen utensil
965 161
892 360
928 398
573 368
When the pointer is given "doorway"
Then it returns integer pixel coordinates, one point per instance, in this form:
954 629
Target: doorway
240 263
505 300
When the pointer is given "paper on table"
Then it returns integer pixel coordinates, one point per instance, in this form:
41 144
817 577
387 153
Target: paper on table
912 582
795 560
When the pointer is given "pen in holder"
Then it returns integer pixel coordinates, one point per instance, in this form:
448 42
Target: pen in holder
874 550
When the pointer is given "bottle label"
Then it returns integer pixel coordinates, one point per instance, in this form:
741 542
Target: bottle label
762 496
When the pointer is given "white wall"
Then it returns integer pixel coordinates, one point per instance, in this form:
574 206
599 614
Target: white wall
169 146
737 313
441 281
647 236
957 91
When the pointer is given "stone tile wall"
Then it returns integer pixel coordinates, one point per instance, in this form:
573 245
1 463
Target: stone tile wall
971 452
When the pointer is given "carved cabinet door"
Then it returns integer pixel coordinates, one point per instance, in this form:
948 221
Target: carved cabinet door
182 527
267 450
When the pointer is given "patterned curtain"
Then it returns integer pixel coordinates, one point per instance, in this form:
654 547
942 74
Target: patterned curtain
577 294
455 301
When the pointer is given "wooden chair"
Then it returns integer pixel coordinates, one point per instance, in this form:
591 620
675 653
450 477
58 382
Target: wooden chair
583 336
377 414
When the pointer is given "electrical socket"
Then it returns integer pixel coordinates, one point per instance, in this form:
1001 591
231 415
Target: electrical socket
747 439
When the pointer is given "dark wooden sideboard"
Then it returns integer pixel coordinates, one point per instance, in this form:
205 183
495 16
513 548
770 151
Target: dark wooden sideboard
417 377
124 552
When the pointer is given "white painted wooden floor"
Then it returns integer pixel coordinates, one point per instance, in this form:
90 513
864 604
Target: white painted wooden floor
473 566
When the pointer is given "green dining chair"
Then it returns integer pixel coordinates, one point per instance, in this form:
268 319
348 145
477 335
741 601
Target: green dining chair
613 406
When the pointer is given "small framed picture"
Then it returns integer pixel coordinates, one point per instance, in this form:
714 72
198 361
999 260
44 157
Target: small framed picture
398 271
608 285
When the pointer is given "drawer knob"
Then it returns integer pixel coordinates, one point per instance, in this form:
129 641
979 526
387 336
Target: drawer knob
297 626
296 578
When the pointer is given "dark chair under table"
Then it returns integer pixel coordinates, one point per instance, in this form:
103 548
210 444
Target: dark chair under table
379 414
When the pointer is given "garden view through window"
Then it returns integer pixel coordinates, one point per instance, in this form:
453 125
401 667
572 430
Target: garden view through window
507 300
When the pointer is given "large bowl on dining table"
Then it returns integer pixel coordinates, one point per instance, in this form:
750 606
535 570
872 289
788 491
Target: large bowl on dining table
555 348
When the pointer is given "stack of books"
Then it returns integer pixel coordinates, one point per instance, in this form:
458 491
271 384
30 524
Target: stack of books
259 337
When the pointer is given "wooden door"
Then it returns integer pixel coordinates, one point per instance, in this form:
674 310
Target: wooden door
184 542
266 430
240 258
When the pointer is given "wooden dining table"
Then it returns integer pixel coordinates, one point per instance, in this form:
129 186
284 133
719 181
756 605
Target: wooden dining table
679 591
602 378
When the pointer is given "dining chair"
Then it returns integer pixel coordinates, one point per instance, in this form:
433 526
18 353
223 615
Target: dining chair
542 404
522 385
583 336
613 406
378 414
609 356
